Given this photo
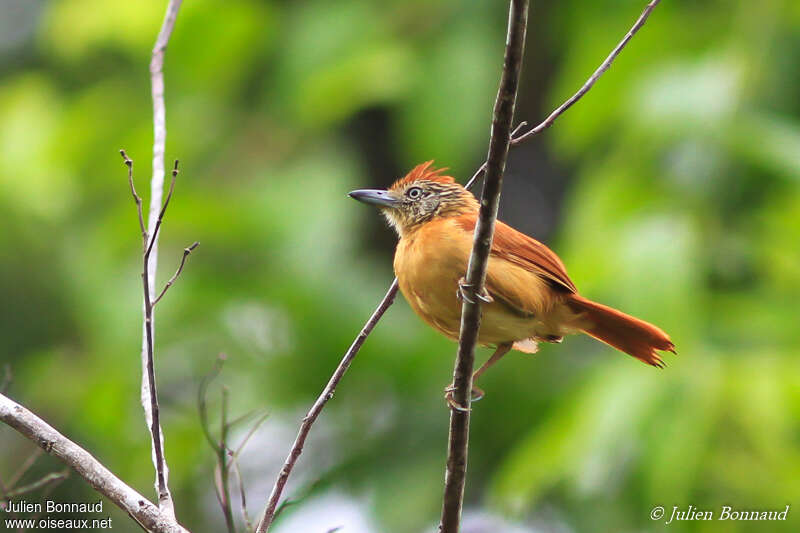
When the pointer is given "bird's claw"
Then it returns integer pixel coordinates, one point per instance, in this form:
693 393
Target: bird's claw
448 397
466 291
476 394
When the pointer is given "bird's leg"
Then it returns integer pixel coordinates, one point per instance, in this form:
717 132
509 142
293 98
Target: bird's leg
476 392
466 291
499 352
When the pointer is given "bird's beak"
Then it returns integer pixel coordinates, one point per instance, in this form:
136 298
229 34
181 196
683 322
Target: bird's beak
374 196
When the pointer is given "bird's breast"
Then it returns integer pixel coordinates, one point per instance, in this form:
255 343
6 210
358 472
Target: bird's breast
430 261
428 264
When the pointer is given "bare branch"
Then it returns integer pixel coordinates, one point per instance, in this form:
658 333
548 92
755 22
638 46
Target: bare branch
221 450
604 66
155 213
151 407
186 252
482 168
235 462
85 465
222 460
53 478
136 197
248 525
250 433
456 472
316 409
24 467
226 458
163 210
202 400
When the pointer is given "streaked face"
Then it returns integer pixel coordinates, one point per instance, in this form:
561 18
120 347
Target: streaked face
407 204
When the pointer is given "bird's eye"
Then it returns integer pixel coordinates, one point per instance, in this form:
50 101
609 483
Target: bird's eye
414 193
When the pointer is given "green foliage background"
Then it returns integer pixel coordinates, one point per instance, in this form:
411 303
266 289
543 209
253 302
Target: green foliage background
673 194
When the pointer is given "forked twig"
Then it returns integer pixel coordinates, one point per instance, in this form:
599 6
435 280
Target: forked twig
226 457
152 412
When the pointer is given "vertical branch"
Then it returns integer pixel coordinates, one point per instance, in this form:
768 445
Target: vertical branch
151 404
148 392
476 271
224 466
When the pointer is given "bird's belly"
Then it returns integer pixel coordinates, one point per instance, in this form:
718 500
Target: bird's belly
430 286
428 278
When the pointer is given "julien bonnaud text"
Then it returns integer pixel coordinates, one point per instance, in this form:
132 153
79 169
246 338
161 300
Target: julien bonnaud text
726 513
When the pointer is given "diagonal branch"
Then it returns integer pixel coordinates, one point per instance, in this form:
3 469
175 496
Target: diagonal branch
85 465
171 282
316 409
53 478
388 299
604 66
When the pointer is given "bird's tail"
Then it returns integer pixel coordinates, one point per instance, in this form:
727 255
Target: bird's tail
624 332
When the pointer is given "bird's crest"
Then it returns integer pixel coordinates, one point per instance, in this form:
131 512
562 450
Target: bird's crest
423 171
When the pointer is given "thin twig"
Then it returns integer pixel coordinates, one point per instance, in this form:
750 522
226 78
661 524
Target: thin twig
249 434
221 450
301 495
4 498
392 291
241 418
226 457
136 198
456 472
148 395
24 467
163 210
98 476
222 458
186 252
316 409
235 462
482 168
162 472
248 525
202 400
546 123
53 477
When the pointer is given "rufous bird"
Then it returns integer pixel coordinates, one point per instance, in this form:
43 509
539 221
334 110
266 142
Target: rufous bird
528 295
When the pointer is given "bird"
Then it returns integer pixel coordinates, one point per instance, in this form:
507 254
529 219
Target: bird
527 298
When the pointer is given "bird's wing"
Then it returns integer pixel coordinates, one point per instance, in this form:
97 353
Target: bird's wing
527 252
523 251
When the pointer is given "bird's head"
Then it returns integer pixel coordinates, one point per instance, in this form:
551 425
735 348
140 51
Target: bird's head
420 196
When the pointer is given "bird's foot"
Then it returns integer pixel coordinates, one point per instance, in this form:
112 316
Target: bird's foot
476 393
466 291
